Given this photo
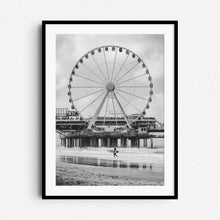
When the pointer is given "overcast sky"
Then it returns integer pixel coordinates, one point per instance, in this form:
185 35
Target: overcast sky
69 49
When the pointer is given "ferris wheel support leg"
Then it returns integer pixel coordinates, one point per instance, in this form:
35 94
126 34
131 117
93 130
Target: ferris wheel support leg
122 110
94 118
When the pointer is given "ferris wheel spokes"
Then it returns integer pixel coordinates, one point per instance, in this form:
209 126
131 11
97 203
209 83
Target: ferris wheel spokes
88 95
84 87
93 72
132 68
114 110
131 94
106 63
135 77
88 79
92 102
121 68
106 109
131 86
94 118
97 65
138 110
122 110
114 64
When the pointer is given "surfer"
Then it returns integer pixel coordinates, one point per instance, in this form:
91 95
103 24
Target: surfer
115 151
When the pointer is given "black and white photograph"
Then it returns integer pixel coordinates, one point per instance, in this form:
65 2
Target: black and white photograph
109 120
110 131
110 110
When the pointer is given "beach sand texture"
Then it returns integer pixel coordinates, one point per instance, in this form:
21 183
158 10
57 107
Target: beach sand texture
148 169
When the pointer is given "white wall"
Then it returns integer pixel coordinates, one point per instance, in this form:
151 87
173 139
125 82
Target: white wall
20 104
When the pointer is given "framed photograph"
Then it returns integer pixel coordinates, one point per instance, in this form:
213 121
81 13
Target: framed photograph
110 109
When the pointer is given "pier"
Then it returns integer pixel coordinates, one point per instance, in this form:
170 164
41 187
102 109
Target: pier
74 132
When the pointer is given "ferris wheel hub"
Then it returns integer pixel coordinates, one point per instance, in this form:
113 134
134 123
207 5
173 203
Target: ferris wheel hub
110 86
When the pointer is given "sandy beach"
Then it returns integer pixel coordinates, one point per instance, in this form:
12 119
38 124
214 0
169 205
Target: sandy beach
134 166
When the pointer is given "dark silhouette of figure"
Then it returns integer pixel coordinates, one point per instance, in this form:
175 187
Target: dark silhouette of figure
115 151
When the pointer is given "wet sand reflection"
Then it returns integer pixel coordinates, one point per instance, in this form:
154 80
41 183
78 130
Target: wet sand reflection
92 161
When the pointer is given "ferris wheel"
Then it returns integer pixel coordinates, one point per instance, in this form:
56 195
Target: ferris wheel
110 82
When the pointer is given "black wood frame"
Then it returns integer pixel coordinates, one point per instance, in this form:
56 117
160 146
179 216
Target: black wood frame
106 22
